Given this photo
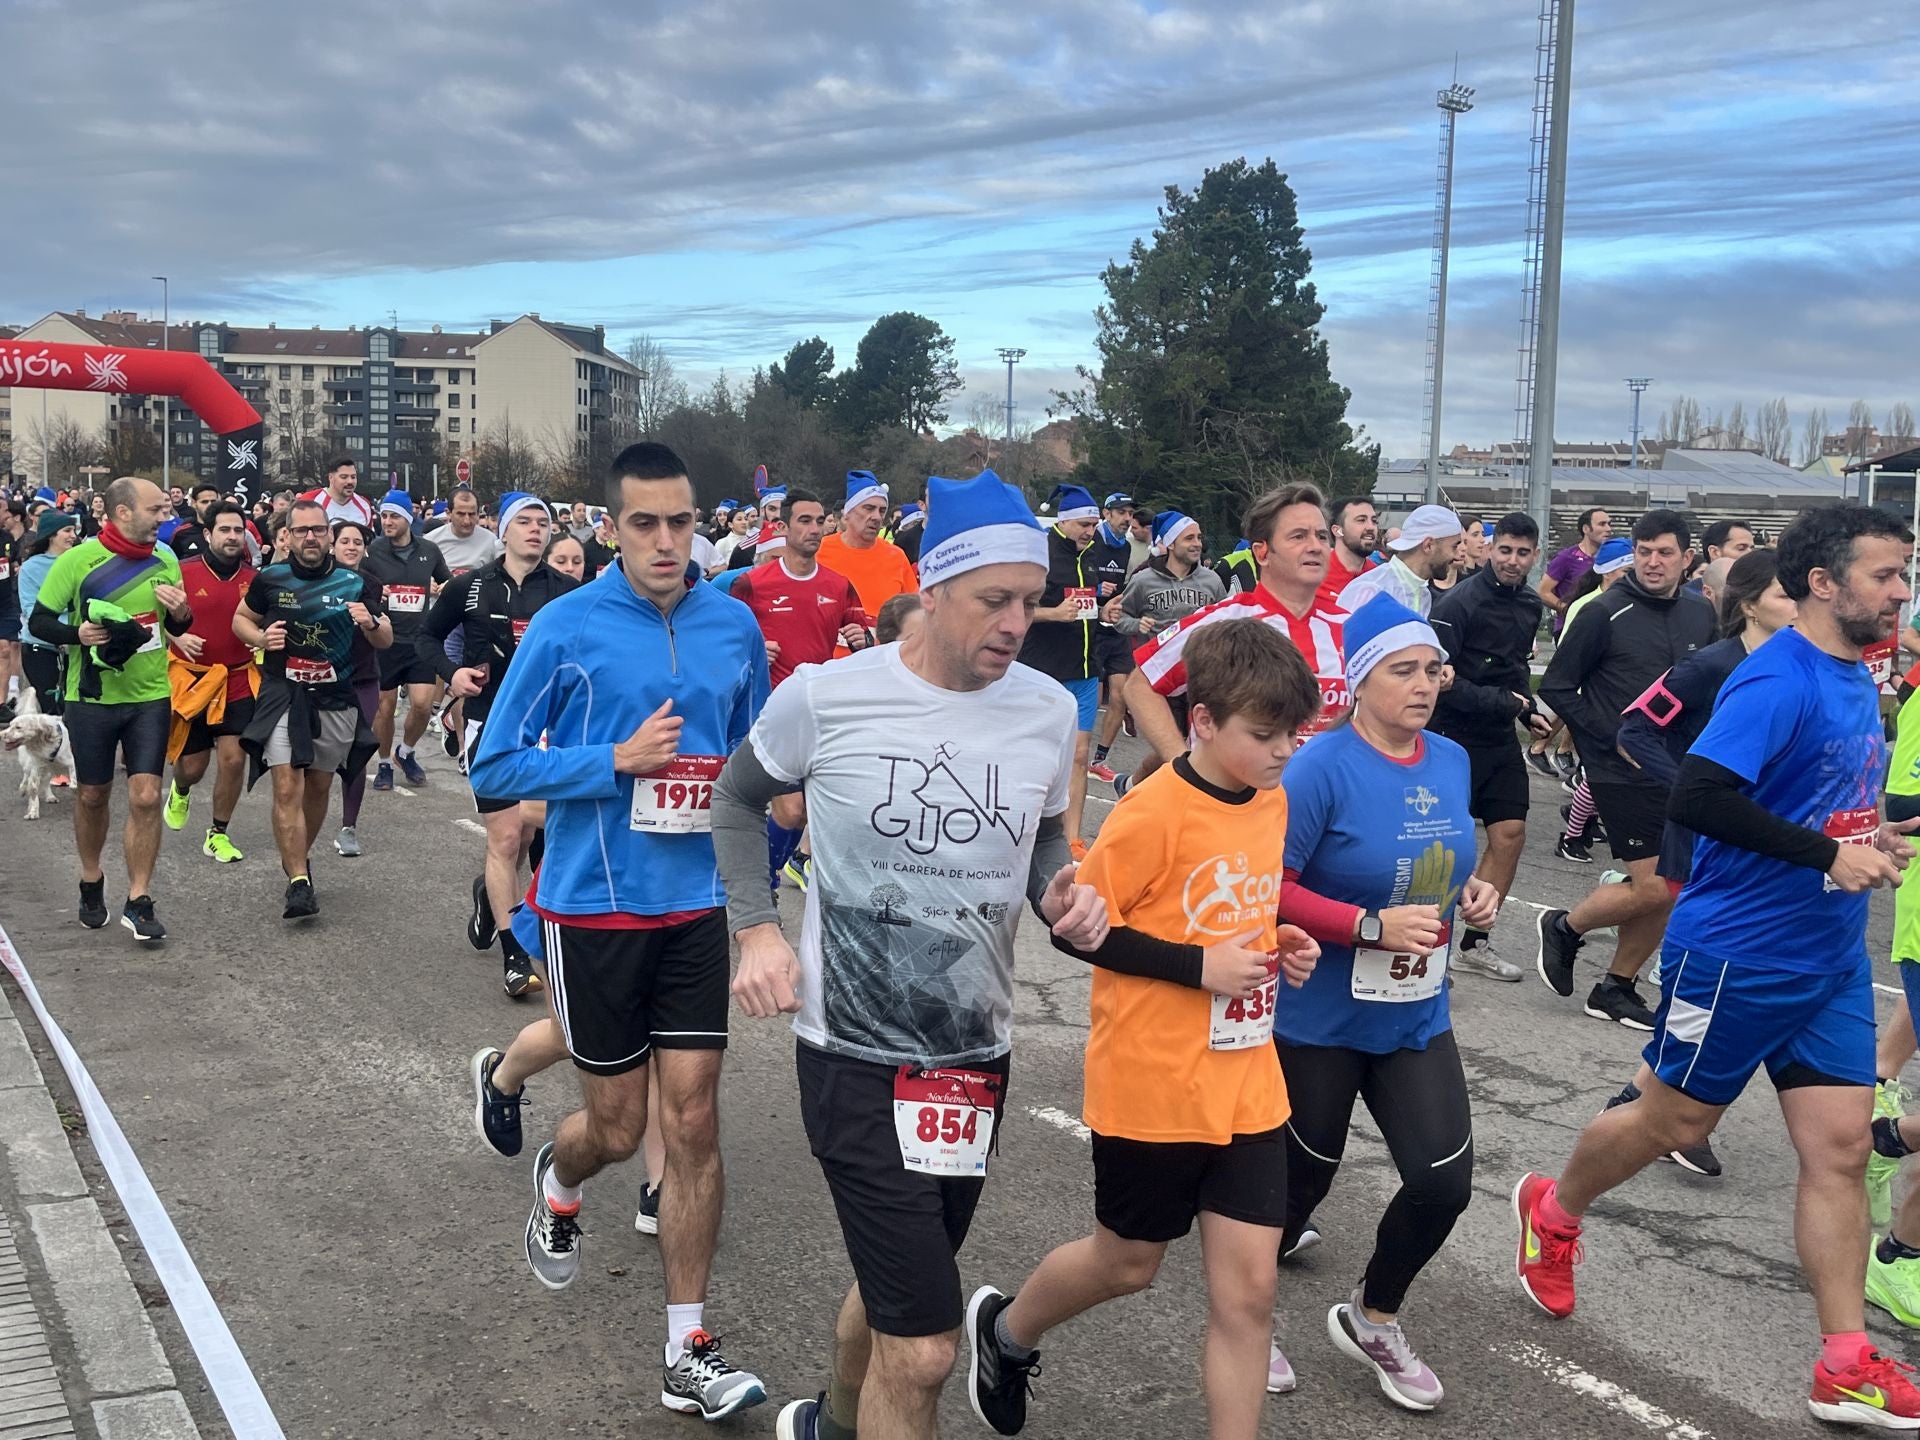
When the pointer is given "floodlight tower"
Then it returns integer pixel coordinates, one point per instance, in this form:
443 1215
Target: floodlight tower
1639 387
1546 226
1012 357
1454 101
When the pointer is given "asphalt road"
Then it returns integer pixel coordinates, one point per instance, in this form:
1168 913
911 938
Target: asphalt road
299 1098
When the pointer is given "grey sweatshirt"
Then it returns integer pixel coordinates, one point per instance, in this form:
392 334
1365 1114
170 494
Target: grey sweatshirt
1152 591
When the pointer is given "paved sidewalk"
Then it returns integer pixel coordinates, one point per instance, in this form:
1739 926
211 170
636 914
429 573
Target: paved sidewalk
78 1355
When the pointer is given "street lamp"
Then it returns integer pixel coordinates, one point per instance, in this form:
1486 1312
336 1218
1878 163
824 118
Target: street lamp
1639 387
166 403
1012 357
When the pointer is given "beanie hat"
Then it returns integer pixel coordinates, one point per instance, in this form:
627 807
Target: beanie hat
1071 502
971 523
511 504
1612 556
862 486
397 502
1169 526
1379 628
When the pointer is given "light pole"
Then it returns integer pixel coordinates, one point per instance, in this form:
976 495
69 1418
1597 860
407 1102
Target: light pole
1013 357
166 403
1639 388
1454 101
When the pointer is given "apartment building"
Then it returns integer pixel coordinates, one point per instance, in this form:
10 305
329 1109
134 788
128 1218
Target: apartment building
400 401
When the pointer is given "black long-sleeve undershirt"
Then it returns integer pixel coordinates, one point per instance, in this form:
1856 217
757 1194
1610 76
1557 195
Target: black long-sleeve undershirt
1709 800
1134 952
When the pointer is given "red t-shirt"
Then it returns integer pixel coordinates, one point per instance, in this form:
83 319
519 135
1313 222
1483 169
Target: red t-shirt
1316 635
1327 597
802 617
214 600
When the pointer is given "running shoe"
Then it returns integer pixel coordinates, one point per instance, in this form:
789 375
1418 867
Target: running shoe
1574 852
410 768
1558 947
1655 975
1121 783
1129 726
647 1218
93 903
218 847
1698 1159
800 1419
495 1115
1404 1377
347 842
383 777
1481 960
480 927
518 977
1280 1377
997 1385
1873 1390
1611 876
1618 999
1546 1259
702 1383
178 803
553 1239
1564 764
1539 760
450 743
138 917
1100 770
302 903
1895 1287
1301 1243
798 871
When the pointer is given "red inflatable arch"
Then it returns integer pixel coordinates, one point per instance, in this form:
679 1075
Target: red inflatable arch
176 373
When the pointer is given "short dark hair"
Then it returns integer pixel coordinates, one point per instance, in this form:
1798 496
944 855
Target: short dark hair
1246 667
201 487
1346 503
304 505
1655 523
366 535
1518 524
337 461
1718 533
794 497
223 507
893 615
1747 580
121 494
644 460
1586 516
1264 514
1822 539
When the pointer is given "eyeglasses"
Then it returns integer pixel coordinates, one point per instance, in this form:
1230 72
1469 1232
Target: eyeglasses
306 529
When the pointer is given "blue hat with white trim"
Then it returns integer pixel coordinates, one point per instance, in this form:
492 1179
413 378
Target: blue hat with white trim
971 523
862 486
1169 526
1612 556
512 503
1071 502
1379 628
397 502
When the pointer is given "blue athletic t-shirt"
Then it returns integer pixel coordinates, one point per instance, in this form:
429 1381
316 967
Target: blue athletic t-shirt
1374 832
1803 729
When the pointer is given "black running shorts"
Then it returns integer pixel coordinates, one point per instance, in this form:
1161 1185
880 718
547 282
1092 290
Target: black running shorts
234 721
902 1229
1112 653
400 664
1151 1190
621 993
1635 817
137 733
1501 790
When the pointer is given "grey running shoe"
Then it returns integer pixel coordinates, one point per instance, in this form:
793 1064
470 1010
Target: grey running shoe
1481 960
1280 1377
704 1384
1404 1377
553 1239
347 842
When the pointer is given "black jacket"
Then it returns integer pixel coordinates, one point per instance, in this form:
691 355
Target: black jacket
492 613
407 581
1488 630
1062 648
1618 645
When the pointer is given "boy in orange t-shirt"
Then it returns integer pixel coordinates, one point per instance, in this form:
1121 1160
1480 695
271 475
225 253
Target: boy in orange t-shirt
1183 1086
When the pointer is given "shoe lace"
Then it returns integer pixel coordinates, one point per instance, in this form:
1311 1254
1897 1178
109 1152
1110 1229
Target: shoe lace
562 1231
703 1359
1560 1250
1886 1372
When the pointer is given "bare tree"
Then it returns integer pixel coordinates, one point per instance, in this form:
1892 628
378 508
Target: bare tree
1680 422
1737 426
1900 422
1774 430
60 447
660 392
1813 437
508 459
1859 430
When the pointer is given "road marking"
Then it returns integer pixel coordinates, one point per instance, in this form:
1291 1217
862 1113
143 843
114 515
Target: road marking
473 825
402 790
1614 1397
1060 1120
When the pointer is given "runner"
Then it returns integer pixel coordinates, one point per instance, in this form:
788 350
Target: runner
1425 549
1767 961
898 1007
1356 530
186 536
350 542
1184 1094
909 532
1375 884
742 522
465 544
569 557
1059 641
489 610
1567 566
1620 644
878 568
640 683
340 496
55 533
1173 584
1108 558
214 679
771 499
1893 1267
411 573
1488 625
13 544
108 600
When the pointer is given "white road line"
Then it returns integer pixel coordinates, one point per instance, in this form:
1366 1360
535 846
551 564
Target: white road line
402 790
1060 1120
1614 1397
473 825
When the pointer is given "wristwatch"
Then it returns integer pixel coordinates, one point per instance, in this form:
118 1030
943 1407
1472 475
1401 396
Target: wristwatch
1370 930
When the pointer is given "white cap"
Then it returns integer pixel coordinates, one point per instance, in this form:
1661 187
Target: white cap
1429 522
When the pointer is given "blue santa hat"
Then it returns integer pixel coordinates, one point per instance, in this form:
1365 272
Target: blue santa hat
439 507
911 514
1379 628
971 523
862 486
726 507
397 502
1070 502
773 492
1615 555
513 502
46 495
1169 526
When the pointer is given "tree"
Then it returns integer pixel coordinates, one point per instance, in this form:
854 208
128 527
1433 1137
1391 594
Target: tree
1774 430
129 447
508 459
60 447
805 376
1214 380
903 372
1900 422
1736 428
1813 437
1859 430
659 391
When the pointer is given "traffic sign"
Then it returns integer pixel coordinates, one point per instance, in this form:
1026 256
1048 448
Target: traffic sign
463 471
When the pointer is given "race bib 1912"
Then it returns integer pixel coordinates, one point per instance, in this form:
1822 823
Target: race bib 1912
677 799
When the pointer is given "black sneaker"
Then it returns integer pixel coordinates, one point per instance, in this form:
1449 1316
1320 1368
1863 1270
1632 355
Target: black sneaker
1539 760
647 1218
996 1385
1563 763
93 903
520 981
1616 999
495 1116
1700 1159
1558 947
450 743
302 903
1122 782
138 917
480 927
1575 852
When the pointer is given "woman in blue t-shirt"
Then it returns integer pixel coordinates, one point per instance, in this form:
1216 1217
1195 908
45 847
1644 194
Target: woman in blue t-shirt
1380 847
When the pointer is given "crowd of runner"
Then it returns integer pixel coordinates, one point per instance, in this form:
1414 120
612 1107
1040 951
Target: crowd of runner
895 711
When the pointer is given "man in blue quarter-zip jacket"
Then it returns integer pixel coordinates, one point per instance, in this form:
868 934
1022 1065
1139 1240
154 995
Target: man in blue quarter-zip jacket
641 683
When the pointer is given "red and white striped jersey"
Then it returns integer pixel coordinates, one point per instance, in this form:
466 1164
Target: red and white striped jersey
1315 635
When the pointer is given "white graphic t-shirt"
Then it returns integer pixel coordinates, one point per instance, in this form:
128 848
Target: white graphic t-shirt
922 805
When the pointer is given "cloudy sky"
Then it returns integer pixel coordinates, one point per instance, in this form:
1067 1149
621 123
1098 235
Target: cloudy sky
733 176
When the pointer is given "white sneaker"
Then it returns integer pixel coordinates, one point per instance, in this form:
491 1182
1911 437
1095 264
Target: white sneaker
1280 1376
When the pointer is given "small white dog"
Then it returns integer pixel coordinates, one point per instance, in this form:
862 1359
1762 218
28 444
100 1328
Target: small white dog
40 741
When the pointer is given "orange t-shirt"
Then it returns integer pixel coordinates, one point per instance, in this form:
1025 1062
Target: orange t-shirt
877 574
1181 863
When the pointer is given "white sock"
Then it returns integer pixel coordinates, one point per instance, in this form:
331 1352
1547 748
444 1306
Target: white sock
682 1321
561 1197
403 752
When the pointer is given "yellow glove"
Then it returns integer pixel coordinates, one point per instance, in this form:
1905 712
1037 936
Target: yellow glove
1432 878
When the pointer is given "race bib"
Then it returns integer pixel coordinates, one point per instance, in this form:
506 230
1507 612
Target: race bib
6 567
1085 607
406 599
520 630
1236 1024
1878 658
1381 975
155 639
944 1120
1850 827
677 799
303 671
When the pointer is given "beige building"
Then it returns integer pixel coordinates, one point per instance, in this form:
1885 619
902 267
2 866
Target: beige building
403 403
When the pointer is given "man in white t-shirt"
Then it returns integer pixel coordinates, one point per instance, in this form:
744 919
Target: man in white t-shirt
936 775
340 494
1425 549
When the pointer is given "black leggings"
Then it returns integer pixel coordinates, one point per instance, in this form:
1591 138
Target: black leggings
41 668
1418 1098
